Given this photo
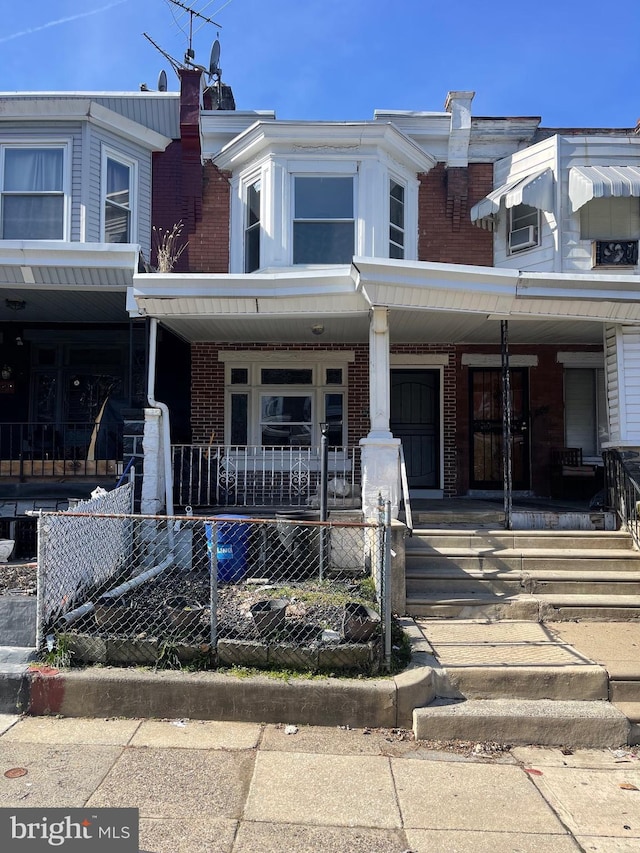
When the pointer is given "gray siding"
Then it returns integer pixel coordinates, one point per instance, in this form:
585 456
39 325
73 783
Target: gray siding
100 138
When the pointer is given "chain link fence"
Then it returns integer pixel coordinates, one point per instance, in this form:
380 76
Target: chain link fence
287 592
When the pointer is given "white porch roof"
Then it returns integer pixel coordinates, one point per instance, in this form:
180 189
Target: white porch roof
589 182
427 302
535 190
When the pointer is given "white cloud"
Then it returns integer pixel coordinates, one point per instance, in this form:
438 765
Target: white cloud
61 21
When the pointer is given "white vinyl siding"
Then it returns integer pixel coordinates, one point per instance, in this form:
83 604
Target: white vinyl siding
623 384
543 257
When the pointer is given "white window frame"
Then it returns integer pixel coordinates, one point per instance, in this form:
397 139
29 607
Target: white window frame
393 179
317 389
256 226
132 165
65 144
534 240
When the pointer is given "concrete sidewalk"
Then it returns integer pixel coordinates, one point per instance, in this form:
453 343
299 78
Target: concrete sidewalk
225 787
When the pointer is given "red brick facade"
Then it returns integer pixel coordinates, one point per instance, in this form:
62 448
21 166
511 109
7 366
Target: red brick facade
446 234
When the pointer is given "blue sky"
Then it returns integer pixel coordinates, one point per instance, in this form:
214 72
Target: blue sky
573 62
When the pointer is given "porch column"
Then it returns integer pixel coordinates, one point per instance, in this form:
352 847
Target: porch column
380 450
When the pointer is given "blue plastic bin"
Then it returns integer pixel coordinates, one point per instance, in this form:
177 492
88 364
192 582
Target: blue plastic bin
231 548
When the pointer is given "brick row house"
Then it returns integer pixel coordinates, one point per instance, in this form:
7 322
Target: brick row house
351 284
354 278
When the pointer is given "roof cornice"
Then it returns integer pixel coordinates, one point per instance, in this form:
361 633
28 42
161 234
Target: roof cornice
264 136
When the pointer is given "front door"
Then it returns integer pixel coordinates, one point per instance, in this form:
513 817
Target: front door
486 428
415 420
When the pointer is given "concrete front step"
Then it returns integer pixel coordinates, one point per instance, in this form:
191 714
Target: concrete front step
452 581
527 561
536 608
596 725
464 538
631 710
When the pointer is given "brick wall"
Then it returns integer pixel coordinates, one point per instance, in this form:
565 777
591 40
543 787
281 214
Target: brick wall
445 231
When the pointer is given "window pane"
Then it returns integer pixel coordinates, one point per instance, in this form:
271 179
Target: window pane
32 217
323 198
523 215
252 249
253 203
286 376
239 409
322 242
396 252
33 169
116 224
289 409
396 212
296 435
118 183
334 376
333 416
286 420
239 375
396 236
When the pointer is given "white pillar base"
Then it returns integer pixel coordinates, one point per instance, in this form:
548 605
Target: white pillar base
153 490
380 474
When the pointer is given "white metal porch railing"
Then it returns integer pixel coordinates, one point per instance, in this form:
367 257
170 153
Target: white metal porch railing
253 475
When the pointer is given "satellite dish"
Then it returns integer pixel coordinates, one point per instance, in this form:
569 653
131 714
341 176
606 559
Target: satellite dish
162 81
214 67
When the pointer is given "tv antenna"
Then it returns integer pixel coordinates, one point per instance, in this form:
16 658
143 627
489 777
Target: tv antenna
190 52
212 71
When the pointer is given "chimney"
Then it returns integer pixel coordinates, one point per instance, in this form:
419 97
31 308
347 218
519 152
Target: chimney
459 105
190 106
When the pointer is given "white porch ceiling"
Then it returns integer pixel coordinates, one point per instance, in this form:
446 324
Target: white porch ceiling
427 303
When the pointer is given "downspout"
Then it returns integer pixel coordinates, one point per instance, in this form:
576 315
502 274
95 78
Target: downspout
155 404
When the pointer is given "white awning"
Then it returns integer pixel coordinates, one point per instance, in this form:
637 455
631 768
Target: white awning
535 190
589 182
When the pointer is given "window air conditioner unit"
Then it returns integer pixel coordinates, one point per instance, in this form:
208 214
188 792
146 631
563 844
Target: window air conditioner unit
523 238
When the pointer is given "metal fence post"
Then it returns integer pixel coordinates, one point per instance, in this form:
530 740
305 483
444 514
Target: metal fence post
386 583
213 586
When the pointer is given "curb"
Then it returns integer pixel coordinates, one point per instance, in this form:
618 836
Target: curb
41 690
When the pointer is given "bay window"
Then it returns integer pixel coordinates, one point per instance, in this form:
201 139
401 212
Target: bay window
33 192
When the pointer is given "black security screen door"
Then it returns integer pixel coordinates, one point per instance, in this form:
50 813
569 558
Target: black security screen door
415 420
486 428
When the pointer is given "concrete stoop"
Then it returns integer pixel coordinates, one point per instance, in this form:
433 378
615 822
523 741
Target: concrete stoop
540 575
543 722
519 682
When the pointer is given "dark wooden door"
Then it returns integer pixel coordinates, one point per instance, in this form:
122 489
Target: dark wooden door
415 420
486 428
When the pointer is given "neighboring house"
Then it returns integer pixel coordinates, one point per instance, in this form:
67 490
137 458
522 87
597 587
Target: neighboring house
335 274
75 225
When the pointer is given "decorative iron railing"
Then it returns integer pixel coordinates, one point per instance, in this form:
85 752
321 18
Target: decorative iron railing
622 488
66 449
239 475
